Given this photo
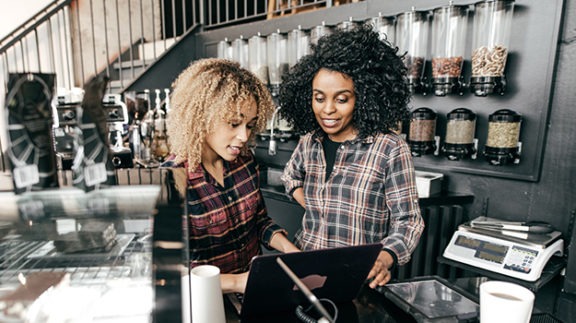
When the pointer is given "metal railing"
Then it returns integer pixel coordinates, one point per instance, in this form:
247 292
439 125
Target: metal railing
78 39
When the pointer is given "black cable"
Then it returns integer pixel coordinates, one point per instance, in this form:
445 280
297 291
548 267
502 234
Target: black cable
307 318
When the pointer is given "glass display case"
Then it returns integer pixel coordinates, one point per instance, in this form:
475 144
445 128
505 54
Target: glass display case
71 256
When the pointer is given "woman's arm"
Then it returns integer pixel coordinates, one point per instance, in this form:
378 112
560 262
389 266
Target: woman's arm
233 283
406 223
294 173
281 243
298 196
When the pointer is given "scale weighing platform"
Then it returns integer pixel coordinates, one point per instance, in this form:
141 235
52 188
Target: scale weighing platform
519 255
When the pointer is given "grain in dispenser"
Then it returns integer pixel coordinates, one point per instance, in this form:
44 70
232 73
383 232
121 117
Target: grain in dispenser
277 60
422 135
319 31
224 49
412 39
490 46
240 51
448 47
298 45
258 57
459 142
503 143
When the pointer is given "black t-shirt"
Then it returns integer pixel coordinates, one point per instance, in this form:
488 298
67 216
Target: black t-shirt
330 148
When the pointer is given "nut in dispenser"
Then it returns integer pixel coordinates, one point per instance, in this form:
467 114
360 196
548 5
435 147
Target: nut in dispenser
490 46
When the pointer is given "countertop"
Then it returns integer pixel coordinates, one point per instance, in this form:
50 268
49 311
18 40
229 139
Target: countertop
371 305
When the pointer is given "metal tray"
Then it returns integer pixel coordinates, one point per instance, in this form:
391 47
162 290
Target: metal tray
48 251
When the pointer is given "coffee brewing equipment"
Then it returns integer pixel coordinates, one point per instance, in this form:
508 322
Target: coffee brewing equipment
159 147
490 46
503 143
298 45
384 26
142 131
459 142
412 39
258 57
276 45
422 136
449 24
68 109
117 120
167 105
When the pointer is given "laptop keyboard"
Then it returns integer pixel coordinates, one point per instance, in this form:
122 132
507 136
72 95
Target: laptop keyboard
236 299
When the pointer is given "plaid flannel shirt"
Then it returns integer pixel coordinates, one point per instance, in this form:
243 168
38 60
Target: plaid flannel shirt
370 196
226 224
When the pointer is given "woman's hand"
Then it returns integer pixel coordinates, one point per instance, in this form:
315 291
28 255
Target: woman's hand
380 273
233 283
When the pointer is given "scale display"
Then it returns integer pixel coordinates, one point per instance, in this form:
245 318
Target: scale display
505 256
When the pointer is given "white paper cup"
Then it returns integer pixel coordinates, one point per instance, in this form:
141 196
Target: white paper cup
186 301
207 298
505 302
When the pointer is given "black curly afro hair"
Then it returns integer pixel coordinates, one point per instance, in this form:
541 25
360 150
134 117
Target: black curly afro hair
378 73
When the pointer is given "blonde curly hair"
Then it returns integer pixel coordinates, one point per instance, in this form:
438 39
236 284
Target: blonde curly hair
205 91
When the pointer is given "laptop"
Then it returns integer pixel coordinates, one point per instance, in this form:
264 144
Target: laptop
336 274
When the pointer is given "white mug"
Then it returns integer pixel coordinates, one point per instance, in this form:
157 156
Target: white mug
505 302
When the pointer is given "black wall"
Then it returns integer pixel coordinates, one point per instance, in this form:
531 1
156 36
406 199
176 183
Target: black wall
549 195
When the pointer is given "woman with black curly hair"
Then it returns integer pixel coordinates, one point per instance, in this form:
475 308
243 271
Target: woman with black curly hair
351 171
217 107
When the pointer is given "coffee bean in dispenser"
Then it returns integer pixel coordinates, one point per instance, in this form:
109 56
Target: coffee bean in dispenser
412 39
449 25
421 137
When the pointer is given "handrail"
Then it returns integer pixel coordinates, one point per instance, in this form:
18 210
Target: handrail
78 50
37 22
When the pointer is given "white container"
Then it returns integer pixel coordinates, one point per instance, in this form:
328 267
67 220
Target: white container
428 183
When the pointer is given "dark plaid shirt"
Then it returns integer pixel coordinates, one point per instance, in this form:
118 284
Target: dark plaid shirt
227 224
369 197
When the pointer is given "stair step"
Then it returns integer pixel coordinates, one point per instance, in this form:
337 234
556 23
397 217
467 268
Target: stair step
146 54
126 68
146 50
128 64
116 86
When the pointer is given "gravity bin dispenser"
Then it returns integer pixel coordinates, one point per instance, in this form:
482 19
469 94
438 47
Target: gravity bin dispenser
449 29
412 39
490 45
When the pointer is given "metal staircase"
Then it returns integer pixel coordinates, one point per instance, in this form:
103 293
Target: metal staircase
77 39
138 44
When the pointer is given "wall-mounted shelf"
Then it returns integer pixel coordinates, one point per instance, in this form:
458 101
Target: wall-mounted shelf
529 72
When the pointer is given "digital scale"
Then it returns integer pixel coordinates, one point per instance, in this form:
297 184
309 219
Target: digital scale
520 255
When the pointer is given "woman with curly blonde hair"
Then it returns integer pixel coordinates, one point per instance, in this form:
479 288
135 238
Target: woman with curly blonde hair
217 108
